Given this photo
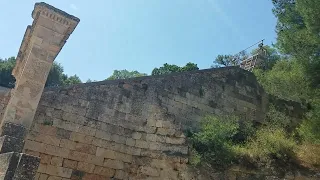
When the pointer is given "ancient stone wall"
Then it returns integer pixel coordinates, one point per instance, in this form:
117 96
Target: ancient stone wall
4 99
134 128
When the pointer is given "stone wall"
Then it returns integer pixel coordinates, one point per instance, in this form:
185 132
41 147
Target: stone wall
134 128
4 99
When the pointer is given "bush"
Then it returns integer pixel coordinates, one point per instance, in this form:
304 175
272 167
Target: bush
214 141
309 129
267 145
218 145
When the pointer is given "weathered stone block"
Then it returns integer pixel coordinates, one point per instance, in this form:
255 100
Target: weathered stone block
56 161
56 151
27 167
85 148
114 164
45 158
130 142
149 171
8 165
10 144
59 171
85 167
78 156
136 135
142 144
13 130
104 171
70 164
106 153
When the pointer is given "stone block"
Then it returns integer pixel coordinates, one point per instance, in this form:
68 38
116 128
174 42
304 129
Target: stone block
95 160
118 139
151 137
85 167
78 137
43 177
106 153
27 167
130 142
45 158
85 148
70 164
88 130
42 168
8 164
123 157
103 135
68 144
142 144
43 129
10 144
13 130
120 174
76 174
59 171
93 177
78 156
54 178
165 131
56 161
114 164
149 171
56 151
63 134
173 140
133 151
34 146
136 135
103 171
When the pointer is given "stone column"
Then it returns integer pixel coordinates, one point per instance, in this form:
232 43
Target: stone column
41 44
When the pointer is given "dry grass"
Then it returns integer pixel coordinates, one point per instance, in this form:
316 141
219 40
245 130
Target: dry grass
309 156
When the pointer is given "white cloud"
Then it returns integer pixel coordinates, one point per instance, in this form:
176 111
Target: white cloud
73 6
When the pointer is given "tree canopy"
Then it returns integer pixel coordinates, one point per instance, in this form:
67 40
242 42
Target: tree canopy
170 68
125 74
298 30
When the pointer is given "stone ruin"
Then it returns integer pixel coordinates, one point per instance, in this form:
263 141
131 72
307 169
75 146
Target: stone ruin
122 129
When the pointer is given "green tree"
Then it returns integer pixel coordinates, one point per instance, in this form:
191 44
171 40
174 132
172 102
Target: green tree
298 30
170 68
286 80
71 80
6 67
125 74
229 60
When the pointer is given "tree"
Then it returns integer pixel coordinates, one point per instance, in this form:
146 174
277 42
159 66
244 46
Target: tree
298 30
170 68
125 74
55 77
71 80
6 67
229 60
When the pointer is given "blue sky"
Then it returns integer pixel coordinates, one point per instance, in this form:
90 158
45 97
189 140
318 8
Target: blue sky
143 34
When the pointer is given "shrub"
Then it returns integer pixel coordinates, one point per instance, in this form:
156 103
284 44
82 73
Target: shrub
309 129
214 141
267 145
